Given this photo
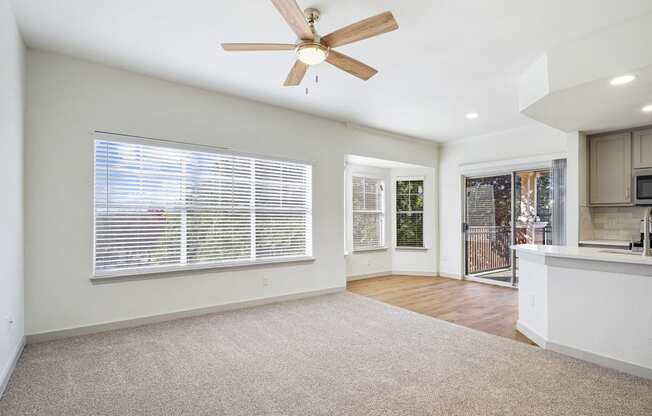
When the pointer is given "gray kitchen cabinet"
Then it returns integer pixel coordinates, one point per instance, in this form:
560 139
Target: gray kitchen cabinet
610 166
642 149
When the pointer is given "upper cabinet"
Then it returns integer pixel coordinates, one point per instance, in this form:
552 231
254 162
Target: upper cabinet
642 149
610 166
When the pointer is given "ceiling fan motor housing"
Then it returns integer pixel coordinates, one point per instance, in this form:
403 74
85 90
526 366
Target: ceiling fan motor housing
312 15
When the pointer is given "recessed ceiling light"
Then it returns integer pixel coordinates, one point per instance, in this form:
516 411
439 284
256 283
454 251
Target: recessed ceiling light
472 116
647 109
623 79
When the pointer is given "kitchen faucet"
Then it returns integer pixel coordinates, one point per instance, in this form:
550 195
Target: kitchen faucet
646 232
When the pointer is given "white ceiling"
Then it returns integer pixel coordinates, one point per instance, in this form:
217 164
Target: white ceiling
381 163
569 87
448 58
597 106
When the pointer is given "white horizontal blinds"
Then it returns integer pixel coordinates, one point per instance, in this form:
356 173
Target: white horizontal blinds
368 212
283 208
158 207
409 213
137 206
217 197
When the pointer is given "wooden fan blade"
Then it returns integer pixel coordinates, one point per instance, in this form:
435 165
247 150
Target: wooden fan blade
294 17
244 47
363 29
350 65
296 74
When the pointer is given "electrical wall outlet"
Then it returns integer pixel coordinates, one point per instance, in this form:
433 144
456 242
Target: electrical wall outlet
532 299
265 282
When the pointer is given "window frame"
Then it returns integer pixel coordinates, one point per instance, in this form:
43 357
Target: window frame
397 212
383 212
172 144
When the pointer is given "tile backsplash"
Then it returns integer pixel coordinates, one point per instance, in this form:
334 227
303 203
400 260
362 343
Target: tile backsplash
611 223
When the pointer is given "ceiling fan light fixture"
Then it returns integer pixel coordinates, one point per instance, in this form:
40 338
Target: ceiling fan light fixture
312 53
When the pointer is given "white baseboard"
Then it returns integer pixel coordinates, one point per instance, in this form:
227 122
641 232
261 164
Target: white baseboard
391 273
531 334
450 275
11 366
130 323
591 357
367 276
422 274
602 360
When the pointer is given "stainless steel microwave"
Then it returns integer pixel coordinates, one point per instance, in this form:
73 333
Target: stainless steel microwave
643 186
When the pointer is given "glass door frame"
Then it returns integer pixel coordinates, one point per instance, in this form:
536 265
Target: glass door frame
480 279
513 258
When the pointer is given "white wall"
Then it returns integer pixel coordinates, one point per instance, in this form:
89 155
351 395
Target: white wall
576 186
513 144
68 99
11 187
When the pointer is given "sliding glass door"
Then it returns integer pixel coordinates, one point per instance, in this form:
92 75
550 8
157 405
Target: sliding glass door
501 210
488 227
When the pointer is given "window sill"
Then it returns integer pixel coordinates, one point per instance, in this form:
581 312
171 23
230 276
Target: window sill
97 276
411 248
366 250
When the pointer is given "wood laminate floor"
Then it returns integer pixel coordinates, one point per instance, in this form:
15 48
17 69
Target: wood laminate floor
479 306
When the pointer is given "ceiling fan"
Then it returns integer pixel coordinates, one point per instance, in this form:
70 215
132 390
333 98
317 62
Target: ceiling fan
312 49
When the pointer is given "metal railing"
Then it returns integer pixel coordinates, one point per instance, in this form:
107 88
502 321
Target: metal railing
488 247
534 235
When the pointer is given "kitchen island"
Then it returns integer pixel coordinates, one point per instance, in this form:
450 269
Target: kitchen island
589 303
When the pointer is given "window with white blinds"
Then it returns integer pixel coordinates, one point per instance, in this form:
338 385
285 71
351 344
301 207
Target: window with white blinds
160 208
368 197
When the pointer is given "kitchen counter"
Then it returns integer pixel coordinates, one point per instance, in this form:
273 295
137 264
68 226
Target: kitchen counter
605 243
594 304
584 253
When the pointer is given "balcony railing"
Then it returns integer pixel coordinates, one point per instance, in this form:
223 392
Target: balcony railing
488 248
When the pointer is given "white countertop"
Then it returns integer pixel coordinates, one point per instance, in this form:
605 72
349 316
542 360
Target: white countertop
613 243
584 253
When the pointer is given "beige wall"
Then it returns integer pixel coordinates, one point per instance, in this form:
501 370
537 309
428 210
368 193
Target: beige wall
68 99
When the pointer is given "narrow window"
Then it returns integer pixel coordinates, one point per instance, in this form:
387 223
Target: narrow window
368 213
409 213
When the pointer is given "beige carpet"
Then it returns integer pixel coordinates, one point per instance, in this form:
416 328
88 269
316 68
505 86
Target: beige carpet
335 355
